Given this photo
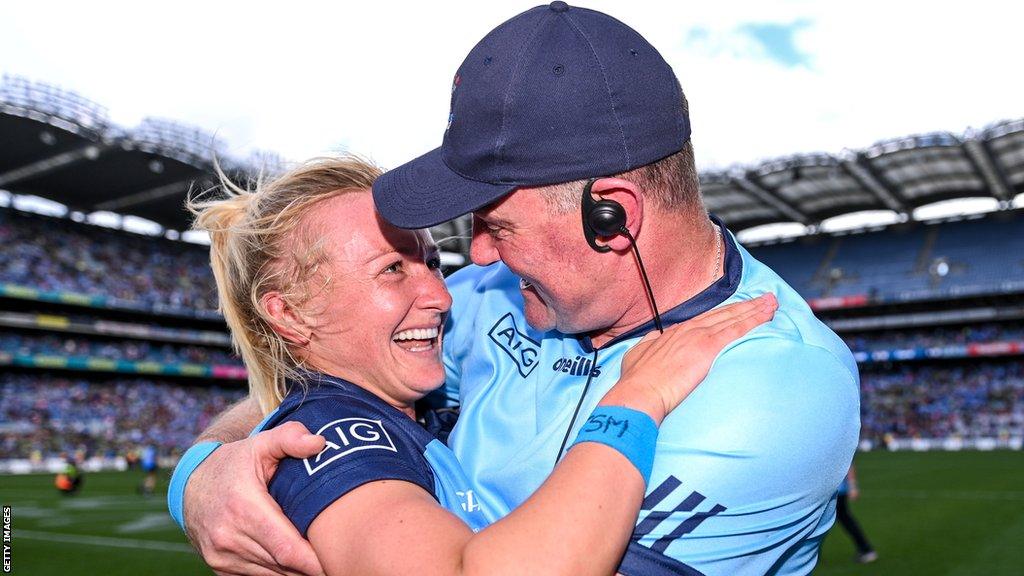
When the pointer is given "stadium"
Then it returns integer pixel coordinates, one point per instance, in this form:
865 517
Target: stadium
110 341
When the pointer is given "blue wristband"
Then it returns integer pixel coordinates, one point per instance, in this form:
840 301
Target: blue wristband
190 460
629 431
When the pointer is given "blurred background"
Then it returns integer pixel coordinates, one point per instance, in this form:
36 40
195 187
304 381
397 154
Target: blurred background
873 155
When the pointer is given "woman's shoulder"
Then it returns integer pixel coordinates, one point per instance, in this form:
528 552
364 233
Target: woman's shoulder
366 440
327 408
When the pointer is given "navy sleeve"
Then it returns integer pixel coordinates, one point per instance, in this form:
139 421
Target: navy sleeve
363 445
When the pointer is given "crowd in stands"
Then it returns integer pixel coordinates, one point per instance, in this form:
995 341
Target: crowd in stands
973 256
50 344
937 336
984 400
56 254
44 416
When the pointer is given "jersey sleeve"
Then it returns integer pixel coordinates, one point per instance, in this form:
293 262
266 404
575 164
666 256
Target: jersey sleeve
363 445
748 487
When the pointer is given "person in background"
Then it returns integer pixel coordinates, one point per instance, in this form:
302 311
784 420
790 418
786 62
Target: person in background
69 480
149 465
849 491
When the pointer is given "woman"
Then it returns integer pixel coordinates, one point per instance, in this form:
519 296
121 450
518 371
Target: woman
339 318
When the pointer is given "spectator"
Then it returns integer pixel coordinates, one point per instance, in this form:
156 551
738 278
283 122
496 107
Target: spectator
56 415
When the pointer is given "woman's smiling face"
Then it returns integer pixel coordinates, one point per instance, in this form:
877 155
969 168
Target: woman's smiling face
378 318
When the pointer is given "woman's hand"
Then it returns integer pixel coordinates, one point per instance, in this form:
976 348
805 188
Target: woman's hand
662 369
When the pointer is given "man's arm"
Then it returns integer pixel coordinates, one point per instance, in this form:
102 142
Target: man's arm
229 516
233 424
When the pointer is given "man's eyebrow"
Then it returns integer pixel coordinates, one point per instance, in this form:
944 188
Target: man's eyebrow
491 219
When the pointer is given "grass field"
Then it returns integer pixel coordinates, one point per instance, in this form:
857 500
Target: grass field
929 513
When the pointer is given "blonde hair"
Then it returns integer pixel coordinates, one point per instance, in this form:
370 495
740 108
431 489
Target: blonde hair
254 251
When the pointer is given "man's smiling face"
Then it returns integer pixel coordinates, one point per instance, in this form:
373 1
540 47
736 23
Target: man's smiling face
547 250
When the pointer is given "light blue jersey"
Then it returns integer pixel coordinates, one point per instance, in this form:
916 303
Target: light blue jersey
746 468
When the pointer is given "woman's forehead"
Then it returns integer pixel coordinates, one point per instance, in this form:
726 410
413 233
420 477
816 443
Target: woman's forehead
353 226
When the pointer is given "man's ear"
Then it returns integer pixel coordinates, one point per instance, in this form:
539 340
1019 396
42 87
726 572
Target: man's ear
285 320
629 196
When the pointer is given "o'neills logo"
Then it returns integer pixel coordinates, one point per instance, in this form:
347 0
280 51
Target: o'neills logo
578 366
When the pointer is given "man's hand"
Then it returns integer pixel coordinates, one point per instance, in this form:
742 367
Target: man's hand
231 518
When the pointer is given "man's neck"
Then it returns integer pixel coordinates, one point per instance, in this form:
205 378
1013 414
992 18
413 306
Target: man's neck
682 256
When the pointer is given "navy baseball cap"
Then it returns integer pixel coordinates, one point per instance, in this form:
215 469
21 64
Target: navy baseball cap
555 94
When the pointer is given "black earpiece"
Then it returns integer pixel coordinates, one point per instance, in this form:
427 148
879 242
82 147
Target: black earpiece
600 218
608 218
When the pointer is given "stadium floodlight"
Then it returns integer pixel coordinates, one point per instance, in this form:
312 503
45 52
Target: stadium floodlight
60 108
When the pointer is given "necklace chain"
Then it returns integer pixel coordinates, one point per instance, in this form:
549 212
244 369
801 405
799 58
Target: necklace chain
718 253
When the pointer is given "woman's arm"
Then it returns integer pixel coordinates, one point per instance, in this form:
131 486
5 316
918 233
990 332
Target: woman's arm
578 522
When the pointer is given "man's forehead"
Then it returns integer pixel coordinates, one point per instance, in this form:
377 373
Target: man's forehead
509 207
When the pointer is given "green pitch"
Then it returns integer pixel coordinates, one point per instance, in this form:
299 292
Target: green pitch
106 528
936 513
932 513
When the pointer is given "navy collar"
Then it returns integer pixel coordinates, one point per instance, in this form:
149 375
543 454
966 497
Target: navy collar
310 380
712 296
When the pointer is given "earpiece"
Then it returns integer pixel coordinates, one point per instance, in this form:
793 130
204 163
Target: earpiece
608 218
601 218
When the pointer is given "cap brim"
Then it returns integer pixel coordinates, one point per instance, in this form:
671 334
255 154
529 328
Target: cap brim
426 192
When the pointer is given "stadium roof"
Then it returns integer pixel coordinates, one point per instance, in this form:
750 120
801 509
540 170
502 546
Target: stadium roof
62 147
898 175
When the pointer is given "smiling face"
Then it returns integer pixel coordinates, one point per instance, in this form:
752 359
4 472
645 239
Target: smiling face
547 250
378 302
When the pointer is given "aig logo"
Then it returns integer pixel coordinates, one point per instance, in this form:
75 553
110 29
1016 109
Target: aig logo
520 348
346 436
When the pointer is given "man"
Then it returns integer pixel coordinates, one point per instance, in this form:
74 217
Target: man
148 463
850 492
556 114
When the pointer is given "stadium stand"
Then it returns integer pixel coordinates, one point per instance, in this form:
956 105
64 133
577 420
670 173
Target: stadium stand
921 261
45 415
110 339
133 350
942 336
984 400
62 255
